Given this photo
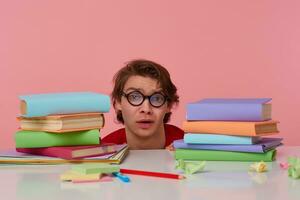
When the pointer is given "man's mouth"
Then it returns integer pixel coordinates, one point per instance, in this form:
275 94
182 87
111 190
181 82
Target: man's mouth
144 124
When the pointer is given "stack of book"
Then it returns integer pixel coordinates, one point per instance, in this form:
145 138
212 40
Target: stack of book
63 125
228 130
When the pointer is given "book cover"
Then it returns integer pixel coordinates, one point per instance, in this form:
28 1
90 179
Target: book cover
63 103
264 145
231 128
71 152
218 139
63 123
34 139
255 109
211 155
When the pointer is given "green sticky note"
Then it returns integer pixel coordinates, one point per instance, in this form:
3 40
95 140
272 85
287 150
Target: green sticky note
190 167
95 168
294 167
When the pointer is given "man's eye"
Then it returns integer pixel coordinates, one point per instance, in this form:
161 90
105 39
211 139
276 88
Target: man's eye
158 98
135 96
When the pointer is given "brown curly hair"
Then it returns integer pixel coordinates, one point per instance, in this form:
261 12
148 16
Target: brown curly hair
145 68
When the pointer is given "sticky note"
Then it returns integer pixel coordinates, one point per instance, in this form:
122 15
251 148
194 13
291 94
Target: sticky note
72 175
94 168
294 167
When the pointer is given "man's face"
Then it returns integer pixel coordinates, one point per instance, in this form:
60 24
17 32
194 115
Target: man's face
144 120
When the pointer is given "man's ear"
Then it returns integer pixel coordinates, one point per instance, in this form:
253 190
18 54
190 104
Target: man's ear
169 107
117 105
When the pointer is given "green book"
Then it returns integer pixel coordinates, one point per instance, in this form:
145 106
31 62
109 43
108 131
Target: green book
34 139
211 155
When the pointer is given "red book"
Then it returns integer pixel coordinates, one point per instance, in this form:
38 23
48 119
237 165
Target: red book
71 152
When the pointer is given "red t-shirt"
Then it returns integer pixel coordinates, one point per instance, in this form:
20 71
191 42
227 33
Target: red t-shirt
119 136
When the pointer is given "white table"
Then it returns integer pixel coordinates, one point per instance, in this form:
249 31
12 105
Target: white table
220 180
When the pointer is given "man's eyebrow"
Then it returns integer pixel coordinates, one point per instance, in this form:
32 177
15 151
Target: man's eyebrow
141 90
133 88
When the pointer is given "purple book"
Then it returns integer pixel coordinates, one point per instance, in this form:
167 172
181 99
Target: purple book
255 109
264 145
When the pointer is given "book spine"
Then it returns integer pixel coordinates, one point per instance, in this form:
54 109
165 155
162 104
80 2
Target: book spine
225 112
217 139
191 154
222 127
65 103
220 147
51 152
34 139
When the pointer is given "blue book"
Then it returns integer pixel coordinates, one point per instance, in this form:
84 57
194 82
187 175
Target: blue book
37 105
255 109
201 138
264 145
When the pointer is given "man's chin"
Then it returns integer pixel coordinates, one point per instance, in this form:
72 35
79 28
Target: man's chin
144 134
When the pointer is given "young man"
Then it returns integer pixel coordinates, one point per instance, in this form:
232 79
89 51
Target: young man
142 97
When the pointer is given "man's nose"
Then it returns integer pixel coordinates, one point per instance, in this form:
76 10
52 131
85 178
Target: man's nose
146 106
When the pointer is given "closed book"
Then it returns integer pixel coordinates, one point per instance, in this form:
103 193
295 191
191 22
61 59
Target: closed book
218 139
63 123
71 152
33 139
37 105
232 128
211 155
14 157
262 146
255 109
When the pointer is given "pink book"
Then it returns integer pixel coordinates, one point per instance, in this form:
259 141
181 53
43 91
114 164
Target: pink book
72 152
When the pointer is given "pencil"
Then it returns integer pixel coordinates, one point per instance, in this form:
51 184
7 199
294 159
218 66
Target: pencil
154 174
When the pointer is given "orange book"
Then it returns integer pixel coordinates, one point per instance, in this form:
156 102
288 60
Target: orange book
231 127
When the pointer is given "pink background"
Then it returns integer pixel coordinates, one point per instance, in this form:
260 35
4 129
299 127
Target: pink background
215 48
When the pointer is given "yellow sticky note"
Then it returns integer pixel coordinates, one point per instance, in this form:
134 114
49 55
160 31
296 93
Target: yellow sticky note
72 175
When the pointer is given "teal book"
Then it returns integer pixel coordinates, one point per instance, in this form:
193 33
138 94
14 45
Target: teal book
35 139
210 155
201 138
38 105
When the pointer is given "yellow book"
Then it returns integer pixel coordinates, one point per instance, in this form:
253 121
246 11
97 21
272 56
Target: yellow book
63 123
231 127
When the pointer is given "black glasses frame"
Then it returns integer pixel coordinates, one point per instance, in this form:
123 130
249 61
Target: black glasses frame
144 97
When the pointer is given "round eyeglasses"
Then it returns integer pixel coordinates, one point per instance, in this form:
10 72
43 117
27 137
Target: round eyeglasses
136 98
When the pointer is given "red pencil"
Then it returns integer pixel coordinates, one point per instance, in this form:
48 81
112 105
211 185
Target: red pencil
154 174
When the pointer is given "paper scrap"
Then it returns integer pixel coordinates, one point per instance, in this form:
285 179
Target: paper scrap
106 179
85 181
294 167
284 165
190 167
258 167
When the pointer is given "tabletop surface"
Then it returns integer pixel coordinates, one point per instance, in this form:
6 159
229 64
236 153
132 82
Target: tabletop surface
219 180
